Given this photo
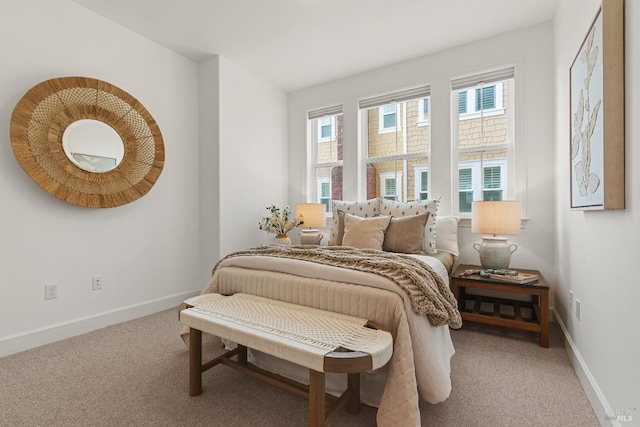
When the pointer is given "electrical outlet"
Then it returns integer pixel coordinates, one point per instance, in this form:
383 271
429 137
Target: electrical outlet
578 309
51 291
570 300
97 283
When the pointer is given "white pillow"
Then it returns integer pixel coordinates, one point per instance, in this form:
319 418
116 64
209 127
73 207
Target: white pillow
366 209
447 234
396 209
364 233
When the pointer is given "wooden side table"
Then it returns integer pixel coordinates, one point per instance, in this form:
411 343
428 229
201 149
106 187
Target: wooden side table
539 304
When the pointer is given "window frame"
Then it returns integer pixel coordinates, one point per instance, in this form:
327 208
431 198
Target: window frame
314 142
516 168
472 101
384 177
332 131
320 181
418 170
423 118
477 182
382 114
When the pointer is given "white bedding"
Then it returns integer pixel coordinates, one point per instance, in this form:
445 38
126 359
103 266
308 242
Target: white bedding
431 347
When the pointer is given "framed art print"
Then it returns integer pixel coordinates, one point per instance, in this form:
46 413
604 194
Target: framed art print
597 113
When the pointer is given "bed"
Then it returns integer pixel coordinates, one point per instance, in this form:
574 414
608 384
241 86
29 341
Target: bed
333 278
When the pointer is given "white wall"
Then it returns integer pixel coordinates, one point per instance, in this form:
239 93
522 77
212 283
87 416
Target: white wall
597 251
243 158
530 50
146 251
253 167
209 157
221 125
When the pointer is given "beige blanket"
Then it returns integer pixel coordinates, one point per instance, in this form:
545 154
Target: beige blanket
427 291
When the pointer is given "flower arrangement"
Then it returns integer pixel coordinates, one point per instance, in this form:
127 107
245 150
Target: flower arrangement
278 222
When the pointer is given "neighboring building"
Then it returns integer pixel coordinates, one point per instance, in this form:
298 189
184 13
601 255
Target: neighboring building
398 145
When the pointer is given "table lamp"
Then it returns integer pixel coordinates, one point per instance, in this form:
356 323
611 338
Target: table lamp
314 217
495 217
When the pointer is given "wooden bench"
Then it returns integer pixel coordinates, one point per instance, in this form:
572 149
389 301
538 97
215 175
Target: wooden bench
319 340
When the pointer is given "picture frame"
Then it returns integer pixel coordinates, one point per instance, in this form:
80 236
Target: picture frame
597 113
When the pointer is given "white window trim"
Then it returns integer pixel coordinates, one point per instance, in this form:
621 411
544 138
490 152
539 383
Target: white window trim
477 167
417 171
381 115
516 182
389 175
332 136
313 191
423 120
472 113
319 182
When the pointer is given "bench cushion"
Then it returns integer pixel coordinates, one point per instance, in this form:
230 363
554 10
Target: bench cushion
299 334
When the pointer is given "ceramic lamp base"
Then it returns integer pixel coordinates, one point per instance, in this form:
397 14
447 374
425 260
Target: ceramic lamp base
495 252
310 237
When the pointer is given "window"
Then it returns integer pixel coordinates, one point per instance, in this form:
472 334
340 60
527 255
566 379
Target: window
488 99
423 112
485 99
392 157
324 193
465 189
421 182
325 134
484 138
326 126
492 188
476 185
389 188
388 118
462 102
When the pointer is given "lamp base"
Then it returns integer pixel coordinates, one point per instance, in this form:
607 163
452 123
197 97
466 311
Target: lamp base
495 252
310 237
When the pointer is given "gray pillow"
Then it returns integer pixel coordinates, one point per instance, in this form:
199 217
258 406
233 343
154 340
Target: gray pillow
406 234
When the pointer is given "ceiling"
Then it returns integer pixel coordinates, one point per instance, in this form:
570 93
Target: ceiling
300 43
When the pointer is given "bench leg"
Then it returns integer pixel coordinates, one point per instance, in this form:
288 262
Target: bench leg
195 362
353 384
316 399
242 354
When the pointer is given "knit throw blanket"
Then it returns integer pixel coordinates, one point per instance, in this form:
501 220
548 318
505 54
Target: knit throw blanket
428 293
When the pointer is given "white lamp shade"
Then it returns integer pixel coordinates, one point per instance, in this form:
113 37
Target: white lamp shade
496 217
313 214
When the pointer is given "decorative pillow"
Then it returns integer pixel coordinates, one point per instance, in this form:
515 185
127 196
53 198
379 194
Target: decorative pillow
406 234
364 233
401 209
367 209
447 234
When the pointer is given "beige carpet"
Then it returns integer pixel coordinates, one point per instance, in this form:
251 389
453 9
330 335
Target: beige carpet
135 374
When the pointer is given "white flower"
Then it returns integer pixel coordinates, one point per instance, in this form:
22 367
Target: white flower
279 222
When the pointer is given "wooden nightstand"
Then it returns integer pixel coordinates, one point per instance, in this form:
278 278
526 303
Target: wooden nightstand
473 307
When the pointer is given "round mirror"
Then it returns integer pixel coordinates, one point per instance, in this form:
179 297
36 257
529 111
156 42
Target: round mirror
87 142
93 145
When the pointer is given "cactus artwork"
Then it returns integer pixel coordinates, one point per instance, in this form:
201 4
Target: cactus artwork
586 119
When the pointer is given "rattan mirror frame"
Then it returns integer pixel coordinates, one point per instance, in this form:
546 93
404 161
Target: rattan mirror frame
40 119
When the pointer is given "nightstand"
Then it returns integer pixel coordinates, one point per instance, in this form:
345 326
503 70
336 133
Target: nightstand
530 315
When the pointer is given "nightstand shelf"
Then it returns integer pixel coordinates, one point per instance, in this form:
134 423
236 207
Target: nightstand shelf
530 315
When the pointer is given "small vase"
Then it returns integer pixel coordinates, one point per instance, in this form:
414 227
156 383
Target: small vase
283 239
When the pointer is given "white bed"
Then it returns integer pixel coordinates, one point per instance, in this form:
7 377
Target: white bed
420 366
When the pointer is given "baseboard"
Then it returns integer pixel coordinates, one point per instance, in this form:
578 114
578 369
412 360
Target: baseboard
597 399
38 337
